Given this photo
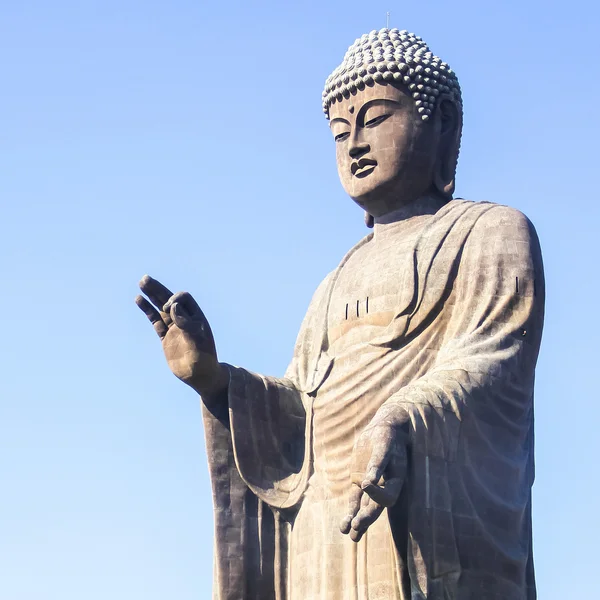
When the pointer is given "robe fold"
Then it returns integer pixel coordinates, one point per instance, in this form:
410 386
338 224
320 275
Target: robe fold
439 314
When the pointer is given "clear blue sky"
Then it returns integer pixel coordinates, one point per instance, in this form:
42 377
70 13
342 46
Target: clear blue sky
186 140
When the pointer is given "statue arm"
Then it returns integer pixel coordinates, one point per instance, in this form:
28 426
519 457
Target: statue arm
483 376
486 363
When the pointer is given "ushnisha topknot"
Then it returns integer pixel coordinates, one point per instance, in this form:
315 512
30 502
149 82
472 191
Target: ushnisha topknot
390 55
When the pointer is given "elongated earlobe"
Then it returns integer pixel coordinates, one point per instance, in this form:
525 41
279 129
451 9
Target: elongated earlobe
450 133
369 220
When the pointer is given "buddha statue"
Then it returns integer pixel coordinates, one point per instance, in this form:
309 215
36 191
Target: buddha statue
394 459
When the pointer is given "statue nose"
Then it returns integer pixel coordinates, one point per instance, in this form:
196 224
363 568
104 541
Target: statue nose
357 150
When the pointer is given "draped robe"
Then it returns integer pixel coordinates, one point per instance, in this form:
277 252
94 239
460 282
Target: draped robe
438 312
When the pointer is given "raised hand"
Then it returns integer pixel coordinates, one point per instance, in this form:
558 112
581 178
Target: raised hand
186 337
378 471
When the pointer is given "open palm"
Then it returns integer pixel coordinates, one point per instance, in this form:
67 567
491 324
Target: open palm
186 336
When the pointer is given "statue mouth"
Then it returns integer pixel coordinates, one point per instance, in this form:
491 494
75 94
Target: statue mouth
363 167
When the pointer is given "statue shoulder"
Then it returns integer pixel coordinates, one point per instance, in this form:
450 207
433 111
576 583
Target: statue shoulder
323 287
493 221
503 235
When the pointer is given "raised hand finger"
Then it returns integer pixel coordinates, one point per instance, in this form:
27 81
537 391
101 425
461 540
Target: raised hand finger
354 501
386 495
185 321
156 291
366 516
186 300
153 315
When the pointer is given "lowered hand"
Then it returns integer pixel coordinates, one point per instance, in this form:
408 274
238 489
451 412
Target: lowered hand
379 465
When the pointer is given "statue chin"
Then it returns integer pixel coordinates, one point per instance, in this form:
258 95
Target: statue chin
379 197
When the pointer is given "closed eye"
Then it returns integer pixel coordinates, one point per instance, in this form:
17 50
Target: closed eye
376 121
340 137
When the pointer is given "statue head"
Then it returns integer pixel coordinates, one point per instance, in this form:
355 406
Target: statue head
395 112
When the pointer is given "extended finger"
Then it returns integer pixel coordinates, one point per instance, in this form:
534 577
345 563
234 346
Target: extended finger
354 501
365 517
156 291
153 315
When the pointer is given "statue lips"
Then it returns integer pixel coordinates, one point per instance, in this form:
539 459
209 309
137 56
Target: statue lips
363 167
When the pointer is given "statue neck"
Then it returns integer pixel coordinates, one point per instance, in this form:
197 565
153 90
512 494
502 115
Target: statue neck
409 214
426 205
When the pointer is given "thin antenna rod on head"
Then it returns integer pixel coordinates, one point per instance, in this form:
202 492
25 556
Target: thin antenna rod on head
387 20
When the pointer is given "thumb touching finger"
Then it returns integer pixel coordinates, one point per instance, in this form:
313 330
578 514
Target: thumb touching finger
386 495
377 463
178 316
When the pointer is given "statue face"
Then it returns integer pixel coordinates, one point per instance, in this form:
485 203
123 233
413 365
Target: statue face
385 152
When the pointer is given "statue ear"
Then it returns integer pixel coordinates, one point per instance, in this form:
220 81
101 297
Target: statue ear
450 127
369 220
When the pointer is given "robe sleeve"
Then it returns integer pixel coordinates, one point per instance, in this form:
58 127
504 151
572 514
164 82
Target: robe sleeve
249 458
469 419
268 427
257 442
270 418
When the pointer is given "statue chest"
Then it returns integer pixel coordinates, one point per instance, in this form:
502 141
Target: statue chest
369 291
